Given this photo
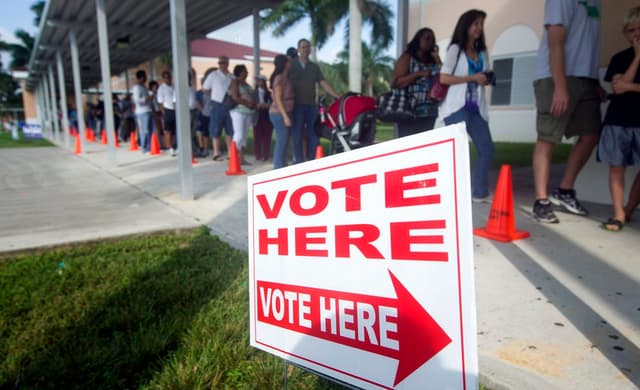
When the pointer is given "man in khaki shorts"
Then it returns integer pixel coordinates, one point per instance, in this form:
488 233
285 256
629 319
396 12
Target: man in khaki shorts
568 97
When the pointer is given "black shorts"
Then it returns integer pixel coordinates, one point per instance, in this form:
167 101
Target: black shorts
169 120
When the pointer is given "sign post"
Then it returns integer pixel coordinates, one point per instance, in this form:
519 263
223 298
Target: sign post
361 264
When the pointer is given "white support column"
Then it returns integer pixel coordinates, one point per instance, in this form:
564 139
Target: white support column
154 70
180 76
47 108
105 67
77 86
39 109
402 26
63 99
54 105
355 47
256 46
126 81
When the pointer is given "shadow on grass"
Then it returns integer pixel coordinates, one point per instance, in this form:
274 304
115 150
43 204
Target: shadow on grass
117 338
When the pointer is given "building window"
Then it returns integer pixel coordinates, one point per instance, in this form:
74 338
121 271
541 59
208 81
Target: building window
514 80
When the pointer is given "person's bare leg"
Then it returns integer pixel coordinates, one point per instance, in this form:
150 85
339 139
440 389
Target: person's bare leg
577 158
215 142
541 167
616 186
228 140
634 198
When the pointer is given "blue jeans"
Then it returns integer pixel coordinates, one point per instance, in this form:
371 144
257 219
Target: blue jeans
478 130
282 140
304 120
144 124
218 119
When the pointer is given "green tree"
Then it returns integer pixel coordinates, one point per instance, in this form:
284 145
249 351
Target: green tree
325 16
20 52
377 68
37 8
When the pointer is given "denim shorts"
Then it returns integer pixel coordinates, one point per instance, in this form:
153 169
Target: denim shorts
619 146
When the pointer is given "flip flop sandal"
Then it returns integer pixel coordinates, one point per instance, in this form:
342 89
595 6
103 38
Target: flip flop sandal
217 158
610 223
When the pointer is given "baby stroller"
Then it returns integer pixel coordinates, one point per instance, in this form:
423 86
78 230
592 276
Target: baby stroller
349 123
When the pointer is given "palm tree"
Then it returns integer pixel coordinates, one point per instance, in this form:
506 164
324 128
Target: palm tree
37 8
325 16
20 53
377 68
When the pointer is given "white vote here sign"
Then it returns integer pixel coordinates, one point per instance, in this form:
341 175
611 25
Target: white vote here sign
361 264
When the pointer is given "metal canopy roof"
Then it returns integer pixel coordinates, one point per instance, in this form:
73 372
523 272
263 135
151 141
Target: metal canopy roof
138 31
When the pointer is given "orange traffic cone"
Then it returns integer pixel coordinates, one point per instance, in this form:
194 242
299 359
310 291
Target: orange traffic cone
92 136
501 225
193 161
234 162
155 145
103 139
86 133
117 142
133 142
78 145
319 152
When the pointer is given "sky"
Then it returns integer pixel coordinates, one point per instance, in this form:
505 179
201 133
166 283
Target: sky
15 14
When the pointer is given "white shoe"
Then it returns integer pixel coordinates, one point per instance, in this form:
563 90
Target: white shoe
173 152
486 199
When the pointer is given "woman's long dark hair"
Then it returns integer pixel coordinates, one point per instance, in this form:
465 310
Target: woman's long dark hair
280 63
414 46
460 37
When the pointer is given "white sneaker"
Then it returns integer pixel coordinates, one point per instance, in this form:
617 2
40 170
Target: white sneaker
173 152
486 199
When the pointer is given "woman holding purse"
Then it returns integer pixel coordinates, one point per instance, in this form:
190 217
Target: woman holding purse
465 70
415 72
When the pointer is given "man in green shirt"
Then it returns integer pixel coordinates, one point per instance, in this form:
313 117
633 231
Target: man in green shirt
304 74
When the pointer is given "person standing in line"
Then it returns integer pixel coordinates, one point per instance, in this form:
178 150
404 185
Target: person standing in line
217 83
281 108
416 70
619 144
263 129
568 97
203 104
142 101
127 124
466 70
304 74
165 98
156 112
242 115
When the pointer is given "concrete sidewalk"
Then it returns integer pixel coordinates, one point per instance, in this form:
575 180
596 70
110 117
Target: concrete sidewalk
558 310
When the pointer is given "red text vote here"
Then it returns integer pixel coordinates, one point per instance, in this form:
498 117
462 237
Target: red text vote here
361 321
416 238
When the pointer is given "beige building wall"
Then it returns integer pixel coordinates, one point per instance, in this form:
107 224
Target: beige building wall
442 16
29 104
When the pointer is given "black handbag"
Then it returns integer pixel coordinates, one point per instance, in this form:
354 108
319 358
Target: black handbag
228 101
395 106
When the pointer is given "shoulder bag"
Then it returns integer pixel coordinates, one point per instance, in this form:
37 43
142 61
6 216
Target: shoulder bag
438 90
395 106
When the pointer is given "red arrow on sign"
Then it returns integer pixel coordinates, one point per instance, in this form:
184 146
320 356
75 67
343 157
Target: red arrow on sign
398 328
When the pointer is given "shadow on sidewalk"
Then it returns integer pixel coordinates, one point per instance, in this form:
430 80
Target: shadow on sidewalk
593 274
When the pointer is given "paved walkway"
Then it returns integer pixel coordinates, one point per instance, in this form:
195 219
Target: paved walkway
558 310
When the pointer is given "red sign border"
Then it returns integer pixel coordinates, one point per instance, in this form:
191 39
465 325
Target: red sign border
457 230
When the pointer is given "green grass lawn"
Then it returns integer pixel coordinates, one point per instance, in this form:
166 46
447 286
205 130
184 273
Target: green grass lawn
164 311
6 141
